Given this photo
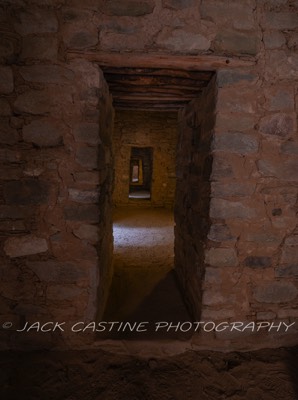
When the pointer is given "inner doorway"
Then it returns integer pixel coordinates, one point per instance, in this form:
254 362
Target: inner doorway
140 173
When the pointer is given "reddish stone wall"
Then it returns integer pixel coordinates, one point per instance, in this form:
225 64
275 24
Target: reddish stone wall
56 231
146 129
56 170
196 128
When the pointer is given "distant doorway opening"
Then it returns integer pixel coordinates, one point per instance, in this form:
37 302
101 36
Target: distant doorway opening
140 175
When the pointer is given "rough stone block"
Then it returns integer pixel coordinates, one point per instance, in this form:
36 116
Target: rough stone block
234 122
236 43
88 213
16 122
286 171
212 297
257 262
81 40
90 177
240 16
87 133
7 134
287 270
225 209
84 196
87 232
218 257
293 40
279 99
91 115
6 80
288 313
178 4
236 143
289 147
9 49
221 169
40 48
213 275
266 168
67 292
89 75
232 189
54 271
37 21
279 20
25 246
133 8
273 39
180 40
88 157
230 100
279 125
220 233
5 110
30 191
214 315
280 65
265 315
289 255
42 133
33 102
292 240
47 74
275 292
226 77
14 212
9 156
263 237
75 15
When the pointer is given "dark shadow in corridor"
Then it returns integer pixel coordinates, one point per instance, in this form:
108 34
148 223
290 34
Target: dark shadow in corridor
164 305
144 287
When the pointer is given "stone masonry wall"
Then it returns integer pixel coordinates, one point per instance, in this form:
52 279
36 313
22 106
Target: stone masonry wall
146 129
56 174
56 179
193 167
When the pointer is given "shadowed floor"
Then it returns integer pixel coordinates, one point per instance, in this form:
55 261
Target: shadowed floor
95 375
144 286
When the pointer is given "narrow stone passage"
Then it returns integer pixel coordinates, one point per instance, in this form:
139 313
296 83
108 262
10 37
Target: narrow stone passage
144 286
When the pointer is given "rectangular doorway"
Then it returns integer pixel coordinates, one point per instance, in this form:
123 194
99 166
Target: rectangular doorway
140 174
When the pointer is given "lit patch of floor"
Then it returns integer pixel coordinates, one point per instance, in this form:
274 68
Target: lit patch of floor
144 287
141 194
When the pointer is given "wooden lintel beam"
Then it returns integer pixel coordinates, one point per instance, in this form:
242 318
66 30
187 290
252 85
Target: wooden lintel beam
154 92
141 108
159 72
151 60
151 97
174 84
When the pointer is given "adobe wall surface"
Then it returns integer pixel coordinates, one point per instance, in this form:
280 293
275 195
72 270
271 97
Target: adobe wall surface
56 120
157 130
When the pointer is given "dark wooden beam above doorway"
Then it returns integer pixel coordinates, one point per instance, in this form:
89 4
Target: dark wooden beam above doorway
156 81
